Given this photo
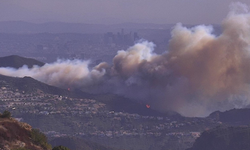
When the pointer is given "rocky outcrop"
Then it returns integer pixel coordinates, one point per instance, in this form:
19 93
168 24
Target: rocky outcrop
15 135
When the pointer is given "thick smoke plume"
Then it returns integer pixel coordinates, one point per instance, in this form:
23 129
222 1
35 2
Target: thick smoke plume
198 74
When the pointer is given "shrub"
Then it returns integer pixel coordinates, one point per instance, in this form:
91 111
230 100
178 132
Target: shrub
6 114
60 148
21 148
39 138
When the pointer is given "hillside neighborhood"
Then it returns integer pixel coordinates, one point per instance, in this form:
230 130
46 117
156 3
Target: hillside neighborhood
114 124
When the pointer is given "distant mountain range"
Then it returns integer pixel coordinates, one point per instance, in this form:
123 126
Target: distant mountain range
61 27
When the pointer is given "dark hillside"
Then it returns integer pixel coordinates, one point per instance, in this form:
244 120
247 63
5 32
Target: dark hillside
15 61
223 138
78 144
113 102
29 85
122 104
232 117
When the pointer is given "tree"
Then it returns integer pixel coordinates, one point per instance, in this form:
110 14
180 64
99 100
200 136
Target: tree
6 114
60 148
39 138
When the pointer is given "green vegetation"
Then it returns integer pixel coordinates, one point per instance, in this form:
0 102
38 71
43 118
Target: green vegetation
39 138
20 136
6 114
60 148
21 148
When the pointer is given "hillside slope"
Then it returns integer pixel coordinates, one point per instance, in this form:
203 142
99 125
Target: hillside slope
15 61
236 117
29 85
15 135
223 138
113 102
78 144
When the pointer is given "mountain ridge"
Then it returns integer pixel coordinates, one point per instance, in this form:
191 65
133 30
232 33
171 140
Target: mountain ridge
223 138
15 61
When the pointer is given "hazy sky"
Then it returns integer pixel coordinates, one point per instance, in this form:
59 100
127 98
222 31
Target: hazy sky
116 11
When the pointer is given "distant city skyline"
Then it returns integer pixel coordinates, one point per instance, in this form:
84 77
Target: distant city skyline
117 11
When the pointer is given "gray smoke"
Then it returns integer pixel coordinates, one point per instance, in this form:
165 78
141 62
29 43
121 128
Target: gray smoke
198 74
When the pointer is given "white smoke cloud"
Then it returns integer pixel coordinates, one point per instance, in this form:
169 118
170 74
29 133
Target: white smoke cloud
200 73
63 73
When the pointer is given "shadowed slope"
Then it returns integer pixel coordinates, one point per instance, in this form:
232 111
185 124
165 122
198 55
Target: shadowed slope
15 61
